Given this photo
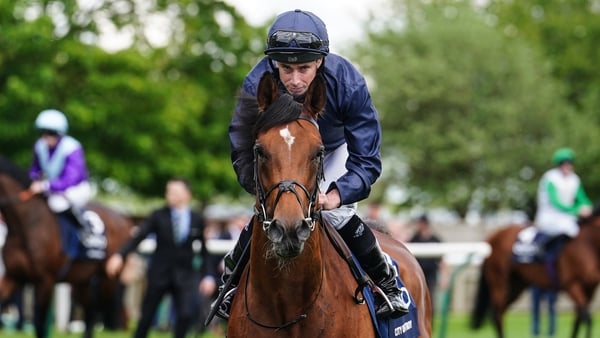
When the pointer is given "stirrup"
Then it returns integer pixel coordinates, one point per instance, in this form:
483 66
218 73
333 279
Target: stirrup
385 308
225 306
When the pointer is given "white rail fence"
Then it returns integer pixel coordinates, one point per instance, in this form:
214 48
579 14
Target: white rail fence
453 253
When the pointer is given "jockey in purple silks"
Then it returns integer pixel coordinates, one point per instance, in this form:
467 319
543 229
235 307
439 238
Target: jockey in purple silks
59 170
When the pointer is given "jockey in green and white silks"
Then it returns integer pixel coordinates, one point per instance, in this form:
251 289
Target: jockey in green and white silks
561 197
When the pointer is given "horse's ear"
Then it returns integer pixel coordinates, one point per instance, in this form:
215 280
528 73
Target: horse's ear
316 96
267 91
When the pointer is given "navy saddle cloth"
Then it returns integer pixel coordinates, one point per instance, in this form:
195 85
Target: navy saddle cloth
88 242
406 326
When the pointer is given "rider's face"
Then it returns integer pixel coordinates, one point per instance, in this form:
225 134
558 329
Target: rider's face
296 77
50 139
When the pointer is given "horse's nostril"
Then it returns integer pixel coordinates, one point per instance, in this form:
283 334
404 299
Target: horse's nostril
303 230
276 232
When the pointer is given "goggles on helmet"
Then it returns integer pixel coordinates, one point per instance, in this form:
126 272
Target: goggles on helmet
285 39
49 132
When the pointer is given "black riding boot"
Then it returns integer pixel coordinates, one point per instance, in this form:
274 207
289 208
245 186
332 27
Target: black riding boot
553 248
231 260
361 241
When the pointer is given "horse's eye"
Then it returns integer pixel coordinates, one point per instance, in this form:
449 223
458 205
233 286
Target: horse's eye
260 152
319 153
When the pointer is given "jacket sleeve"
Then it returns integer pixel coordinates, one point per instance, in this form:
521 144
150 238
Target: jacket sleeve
242 140
581 198
35 171
240 129
362 132
555 200
197 233
146 228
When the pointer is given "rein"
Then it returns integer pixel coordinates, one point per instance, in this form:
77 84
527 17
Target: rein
21 197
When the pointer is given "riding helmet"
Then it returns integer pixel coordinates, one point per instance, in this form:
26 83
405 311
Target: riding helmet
52 120
296 37
563 155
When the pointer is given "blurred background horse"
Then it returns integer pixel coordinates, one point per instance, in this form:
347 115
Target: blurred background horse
33 254
502 280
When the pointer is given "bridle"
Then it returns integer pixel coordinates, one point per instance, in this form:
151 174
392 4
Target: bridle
310 213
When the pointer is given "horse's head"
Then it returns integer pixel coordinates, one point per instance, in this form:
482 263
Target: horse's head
593 220
288 160
14 172
14 182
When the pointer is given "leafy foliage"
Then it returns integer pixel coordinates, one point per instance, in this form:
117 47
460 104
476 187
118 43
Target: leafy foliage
474 114
145 113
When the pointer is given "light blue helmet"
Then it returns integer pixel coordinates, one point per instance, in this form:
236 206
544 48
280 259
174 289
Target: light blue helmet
52 120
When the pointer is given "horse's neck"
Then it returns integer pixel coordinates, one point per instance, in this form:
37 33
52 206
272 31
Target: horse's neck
299 277
28 218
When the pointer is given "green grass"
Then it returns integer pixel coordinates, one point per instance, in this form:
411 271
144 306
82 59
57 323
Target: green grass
517 325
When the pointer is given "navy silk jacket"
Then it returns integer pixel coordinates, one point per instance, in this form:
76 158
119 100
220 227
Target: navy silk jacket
349 116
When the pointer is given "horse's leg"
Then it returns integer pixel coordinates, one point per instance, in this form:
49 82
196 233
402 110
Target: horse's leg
42 300
581 299
7 287
110 304
499 295
89 300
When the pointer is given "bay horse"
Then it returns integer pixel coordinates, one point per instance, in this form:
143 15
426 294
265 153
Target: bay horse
296 284
502 280
33 253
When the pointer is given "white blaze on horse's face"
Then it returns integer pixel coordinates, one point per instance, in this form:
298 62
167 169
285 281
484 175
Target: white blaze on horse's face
287 137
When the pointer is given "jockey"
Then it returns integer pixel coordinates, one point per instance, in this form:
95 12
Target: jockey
561 199
297 51
59 171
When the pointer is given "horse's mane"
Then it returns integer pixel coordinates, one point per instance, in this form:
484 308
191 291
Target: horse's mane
12 170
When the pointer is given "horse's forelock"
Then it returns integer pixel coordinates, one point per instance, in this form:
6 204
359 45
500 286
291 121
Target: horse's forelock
285 109
10 169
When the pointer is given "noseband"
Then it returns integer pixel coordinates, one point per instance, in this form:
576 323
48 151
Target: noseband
311 215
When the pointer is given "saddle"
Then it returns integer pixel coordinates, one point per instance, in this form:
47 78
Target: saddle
533 246
530 246
83 234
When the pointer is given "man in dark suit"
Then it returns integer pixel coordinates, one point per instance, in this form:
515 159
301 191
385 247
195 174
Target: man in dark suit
171 267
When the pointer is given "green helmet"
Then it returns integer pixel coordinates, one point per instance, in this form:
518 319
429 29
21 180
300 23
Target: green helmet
563 155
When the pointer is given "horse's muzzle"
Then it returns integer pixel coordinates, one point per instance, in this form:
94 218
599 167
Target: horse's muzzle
288 241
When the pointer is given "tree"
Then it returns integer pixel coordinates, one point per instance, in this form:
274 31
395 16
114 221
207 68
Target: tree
145 113
567 33
472 114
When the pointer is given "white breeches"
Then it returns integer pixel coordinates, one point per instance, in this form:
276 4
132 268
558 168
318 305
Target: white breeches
555 224
334 166
77 196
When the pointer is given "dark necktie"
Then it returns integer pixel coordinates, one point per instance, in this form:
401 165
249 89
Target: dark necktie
177 227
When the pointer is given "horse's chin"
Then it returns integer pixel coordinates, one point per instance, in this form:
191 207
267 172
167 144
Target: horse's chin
286 252
289 252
